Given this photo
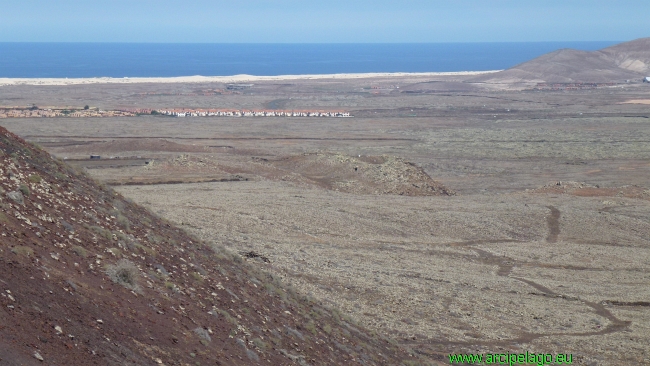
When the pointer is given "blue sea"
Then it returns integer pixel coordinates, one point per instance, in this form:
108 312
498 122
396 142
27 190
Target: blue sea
81 60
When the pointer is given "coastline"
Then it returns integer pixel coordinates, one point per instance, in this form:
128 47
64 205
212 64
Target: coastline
223 79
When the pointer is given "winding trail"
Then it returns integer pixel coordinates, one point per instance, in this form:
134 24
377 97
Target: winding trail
505 266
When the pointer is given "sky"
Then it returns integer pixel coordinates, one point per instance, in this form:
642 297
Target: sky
322 21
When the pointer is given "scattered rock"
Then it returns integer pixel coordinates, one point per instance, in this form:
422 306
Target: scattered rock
160 269
67 226
254 255
50 247
16 197
380 175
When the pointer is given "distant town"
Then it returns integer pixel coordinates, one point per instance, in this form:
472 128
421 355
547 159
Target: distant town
52 112
32 112
250 113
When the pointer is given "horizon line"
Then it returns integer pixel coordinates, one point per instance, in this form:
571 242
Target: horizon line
298 43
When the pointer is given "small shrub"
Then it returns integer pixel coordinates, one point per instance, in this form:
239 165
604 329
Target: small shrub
80 251
229 318
125 273
199 268
124 222
327 329
61 177
66 225
161 270
119 205
3 217
24 190
203 334
23 250
104 233
145 249
270 289
154 239
260 344
336 315
311 327
252 355
172 286
146 220
197 276
121 236
35 178
294 332
17 197
91 216
115 252
237 258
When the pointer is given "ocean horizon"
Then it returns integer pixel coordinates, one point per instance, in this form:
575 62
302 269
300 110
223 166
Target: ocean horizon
119 60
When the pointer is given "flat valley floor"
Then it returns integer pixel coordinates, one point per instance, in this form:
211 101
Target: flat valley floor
454 217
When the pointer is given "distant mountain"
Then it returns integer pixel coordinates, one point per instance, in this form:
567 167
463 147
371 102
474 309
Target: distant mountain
629 60
633 56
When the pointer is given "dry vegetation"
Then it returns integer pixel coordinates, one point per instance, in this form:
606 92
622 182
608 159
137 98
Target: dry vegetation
452 218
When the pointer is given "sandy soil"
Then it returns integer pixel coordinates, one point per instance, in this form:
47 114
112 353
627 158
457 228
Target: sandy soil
222 79
637 101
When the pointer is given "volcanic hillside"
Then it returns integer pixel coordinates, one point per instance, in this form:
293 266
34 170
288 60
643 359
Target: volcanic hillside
629 60
89 278
359 175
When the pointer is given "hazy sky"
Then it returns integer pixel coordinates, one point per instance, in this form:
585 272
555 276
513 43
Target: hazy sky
323 20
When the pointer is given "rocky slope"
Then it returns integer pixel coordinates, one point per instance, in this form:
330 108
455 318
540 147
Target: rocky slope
380 175
629 60
88 278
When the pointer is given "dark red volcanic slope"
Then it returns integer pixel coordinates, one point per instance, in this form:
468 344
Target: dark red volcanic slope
87 278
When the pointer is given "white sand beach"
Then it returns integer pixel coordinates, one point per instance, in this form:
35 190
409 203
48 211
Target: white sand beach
221 79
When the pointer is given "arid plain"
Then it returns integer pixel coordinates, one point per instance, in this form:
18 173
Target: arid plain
452 216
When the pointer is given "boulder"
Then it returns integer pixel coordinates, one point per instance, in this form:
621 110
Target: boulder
16 197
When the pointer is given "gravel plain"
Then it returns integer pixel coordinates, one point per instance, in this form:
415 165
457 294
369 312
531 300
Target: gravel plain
542 247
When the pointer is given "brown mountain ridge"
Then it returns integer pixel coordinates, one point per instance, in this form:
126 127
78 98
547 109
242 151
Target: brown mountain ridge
624 61
88 278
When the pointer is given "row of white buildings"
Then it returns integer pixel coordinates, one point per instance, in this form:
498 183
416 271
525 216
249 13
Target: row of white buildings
249 113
